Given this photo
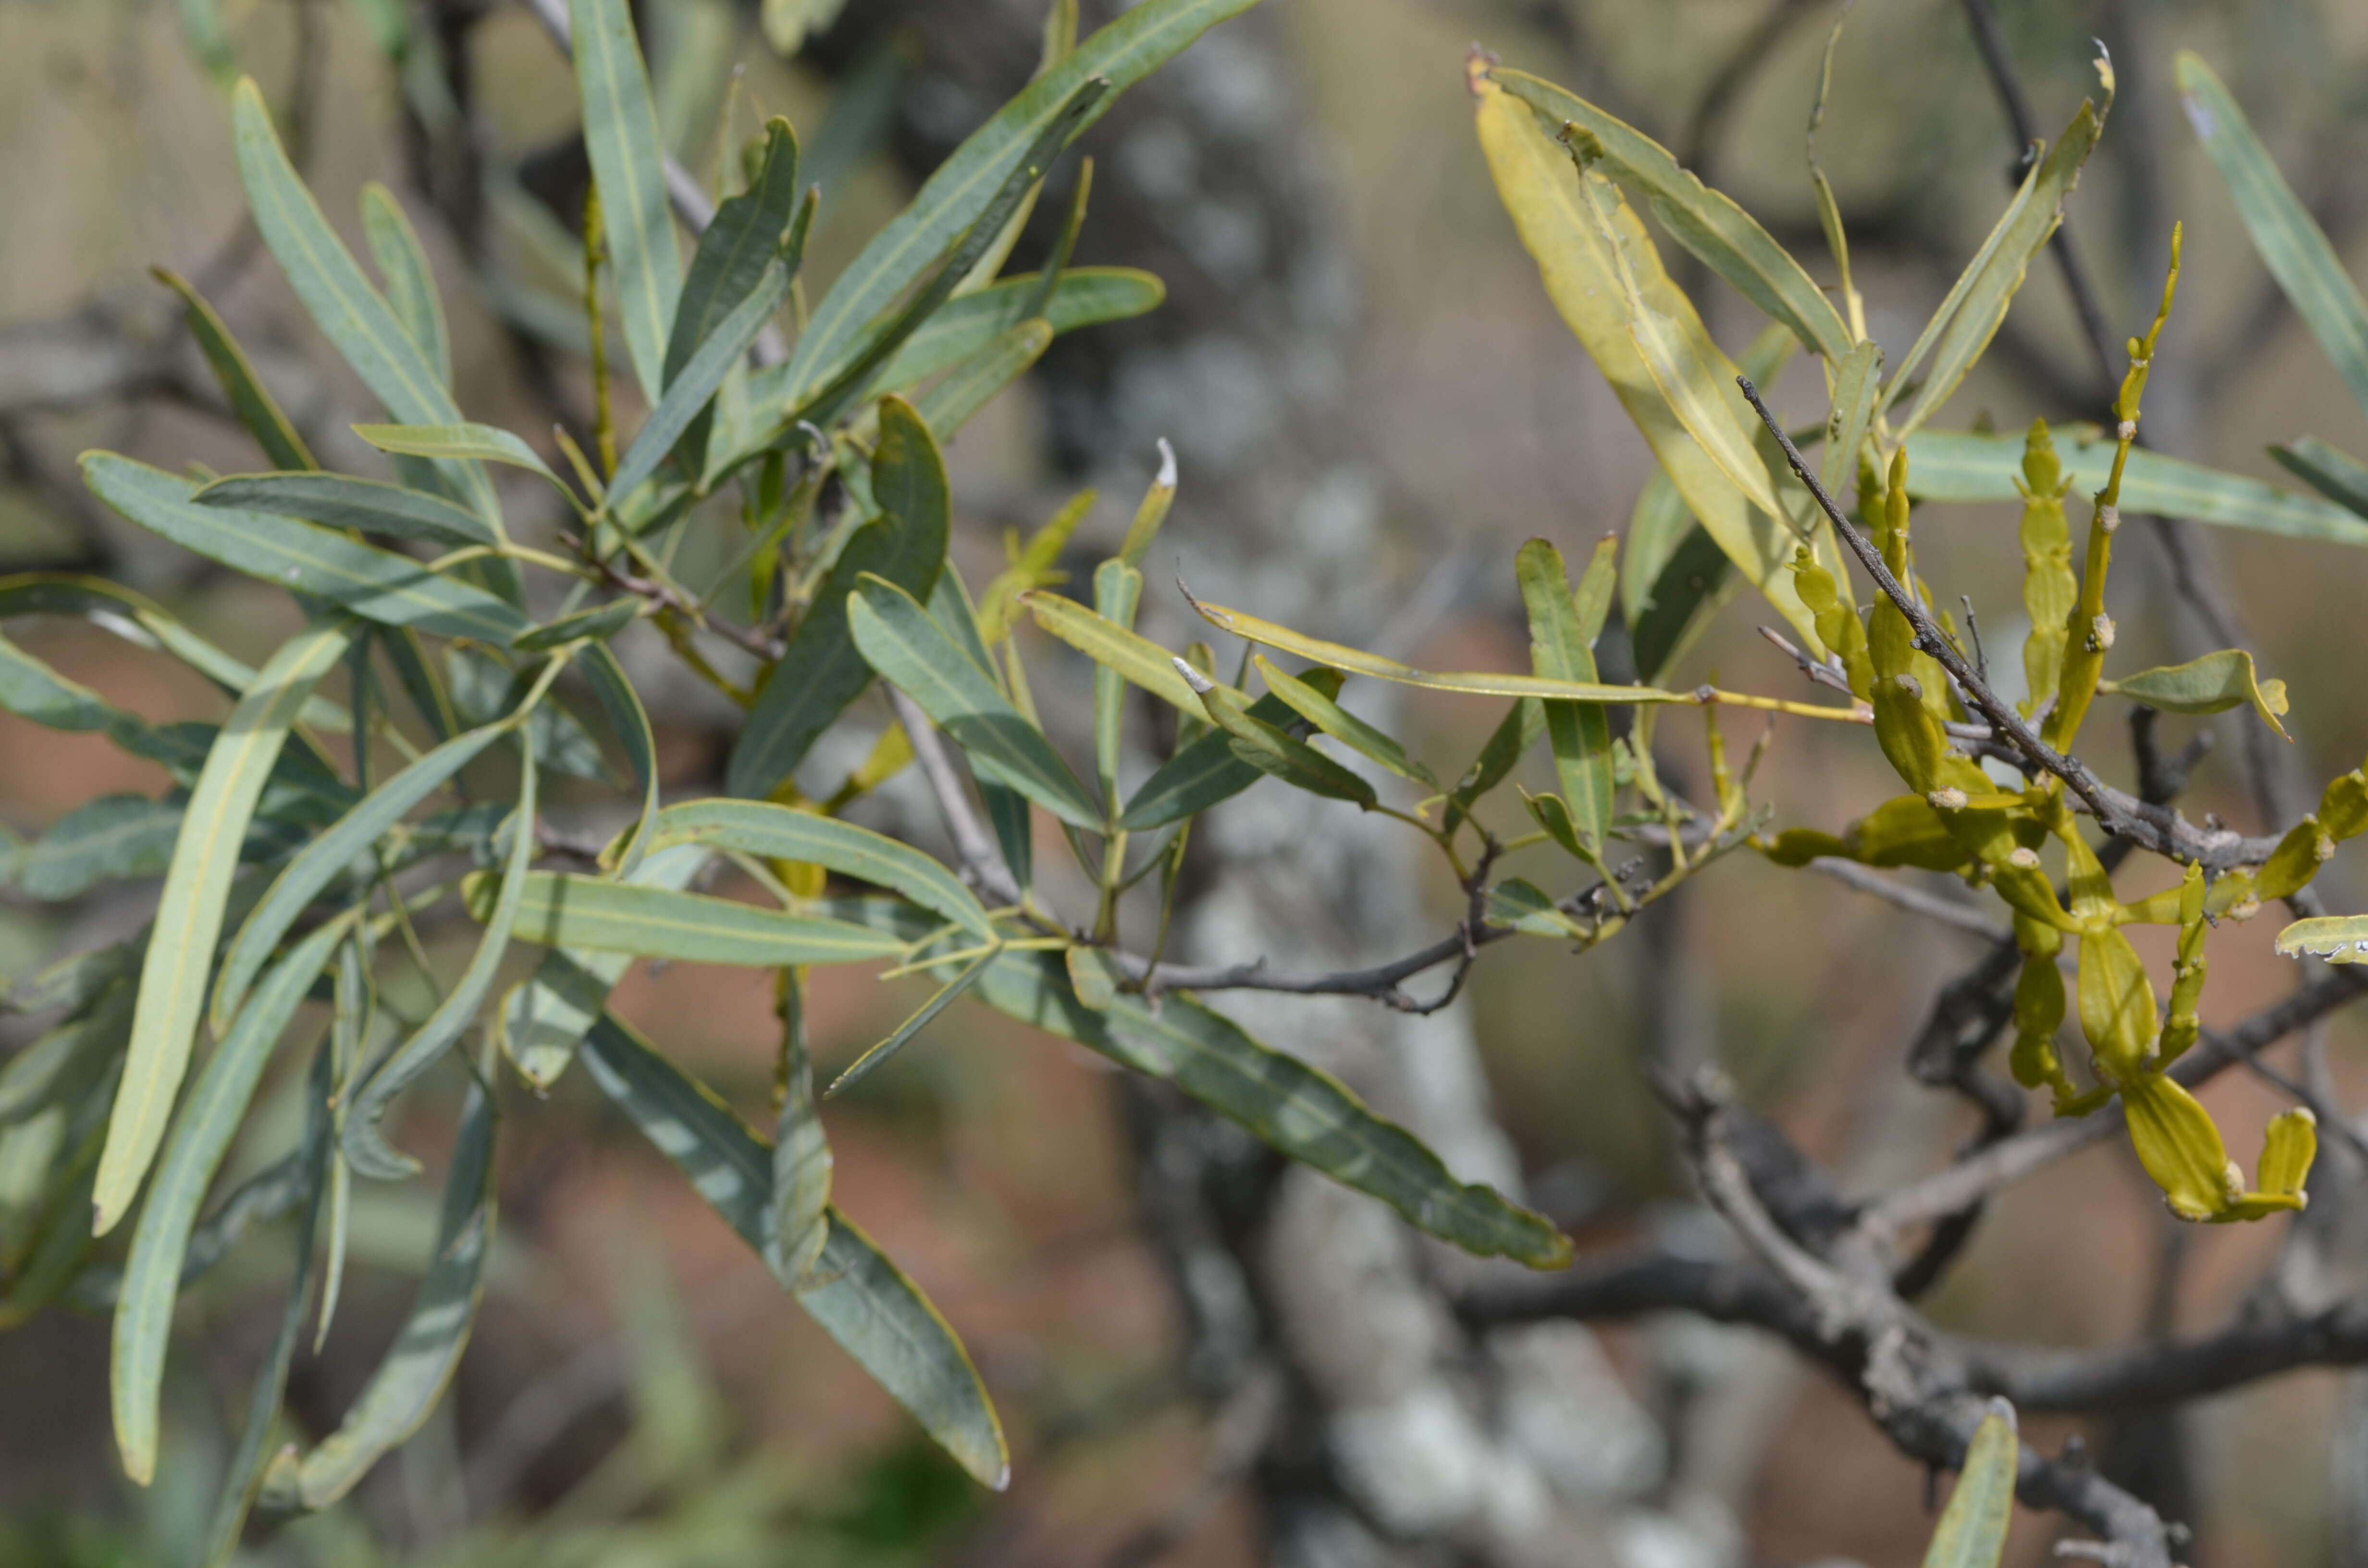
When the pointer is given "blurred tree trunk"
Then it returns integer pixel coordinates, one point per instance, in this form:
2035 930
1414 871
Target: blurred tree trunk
1382 1432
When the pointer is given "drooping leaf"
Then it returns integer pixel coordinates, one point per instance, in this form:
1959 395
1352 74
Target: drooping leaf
627 152
779 832
2213 684
189 912
897 638
966 184
1977 467
249 398
201 1136
376 585
1540 188
353 315
1725 238
821 672
425 1351
2292 246
364 1144
878 1055
1302 1111
1132 656
860 1299
562 910
410 282
1336 722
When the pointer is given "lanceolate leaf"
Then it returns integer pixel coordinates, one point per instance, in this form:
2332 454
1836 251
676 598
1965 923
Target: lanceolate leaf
1694 581
1578 733
1990 284
2336 475
821 672
971 386
2292 246
897 638
1305 1113
621 133
1857 383
112 837
2212 684
349 313
692 387
410 282
1251 629
1972 467
376 585
779 832
249 398
366 1148
966 184
459 440
2338 938
426 1352
561 910
201 1135
1336 722
327 856
189 911
1112 646
630 723
1540 190
1083 296
857 1296
797 1217
340 501
597 624
1971 1531
1727 239
1208 771
736 249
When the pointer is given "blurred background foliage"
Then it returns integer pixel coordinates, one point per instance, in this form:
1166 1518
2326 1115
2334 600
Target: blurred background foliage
635 1395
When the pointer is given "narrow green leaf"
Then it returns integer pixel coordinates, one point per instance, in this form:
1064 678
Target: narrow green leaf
797 1216
327 857
1118 592
1977 467
349 313
692 388
1725 238
897 638
376 585
461 440
963 328
1656 524
562 910
358 1135
857 1296
736 249
189 911
630 723
108 839
201 23
339 501
779 833
972 385
1579 734
1207 771
1971 1531
1340 724
2213 684
243 1479
2336 475
621 135
1515 734
426 1352
1696 579
1990 284
543 1019
1529 909
1112 646
249 399
872 1059
201 1136
953 200
821 673
1300 1111
410 282
1276 752
2292 246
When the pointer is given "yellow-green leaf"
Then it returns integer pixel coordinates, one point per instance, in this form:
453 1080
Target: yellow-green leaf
2212 684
